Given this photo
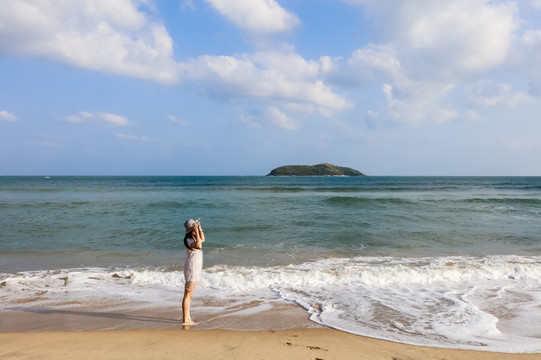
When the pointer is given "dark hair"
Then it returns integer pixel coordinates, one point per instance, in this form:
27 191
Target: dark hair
186 241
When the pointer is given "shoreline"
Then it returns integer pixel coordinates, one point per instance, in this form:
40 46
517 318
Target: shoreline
229 318
255 315
118 300
320 343
281 332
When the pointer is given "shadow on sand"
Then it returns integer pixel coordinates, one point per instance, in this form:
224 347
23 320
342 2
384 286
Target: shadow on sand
108 315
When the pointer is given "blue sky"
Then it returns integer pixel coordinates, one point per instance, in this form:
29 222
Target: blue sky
237 87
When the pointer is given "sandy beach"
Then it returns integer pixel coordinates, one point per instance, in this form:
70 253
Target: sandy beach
307 344
104 333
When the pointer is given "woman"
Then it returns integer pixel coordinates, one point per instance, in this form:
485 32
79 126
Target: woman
193 266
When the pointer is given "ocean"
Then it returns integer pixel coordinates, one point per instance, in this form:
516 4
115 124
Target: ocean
437 261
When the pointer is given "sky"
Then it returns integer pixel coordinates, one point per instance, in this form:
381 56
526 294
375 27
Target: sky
238 87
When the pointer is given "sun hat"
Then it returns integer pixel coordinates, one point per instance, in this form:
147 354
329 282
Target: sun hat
189 224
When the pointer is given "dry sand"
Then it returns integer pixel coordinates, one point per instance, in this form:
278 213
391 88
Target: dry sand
289 344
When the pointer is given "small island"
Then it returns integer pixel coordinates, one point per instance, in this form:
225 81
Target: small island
314 170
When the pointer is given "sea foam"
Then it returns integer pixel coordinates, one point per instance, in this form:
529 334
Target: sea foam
485 303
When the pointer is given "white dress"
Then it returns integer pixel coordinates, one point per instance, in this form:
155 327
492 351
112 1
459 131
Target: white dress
193 266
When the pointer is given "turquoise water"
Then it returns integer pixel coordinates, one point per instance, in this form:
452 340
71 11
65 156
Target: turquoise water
426 236
138 220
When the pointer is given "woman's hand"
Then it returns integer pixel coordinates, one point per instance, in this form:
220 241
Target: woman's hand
200 232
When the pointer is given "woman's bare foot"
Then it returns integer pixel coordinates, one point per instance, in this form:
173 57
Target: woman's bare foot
188 321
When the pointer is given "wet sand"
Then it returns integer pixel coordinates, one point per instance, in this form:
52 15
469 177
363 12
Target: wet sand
102 332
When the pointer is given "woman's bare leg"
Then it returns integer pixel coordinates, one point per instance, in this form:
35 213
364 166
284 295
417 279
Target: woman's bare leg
186 301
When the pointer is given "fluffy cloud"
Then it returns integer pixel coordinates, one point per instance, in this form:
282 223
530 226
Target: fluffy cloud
259 16
452 38
279 118
490 94
447 38
101 35
6 116
526 57
536 3
407 99
430 48
420 104
118 37
266 76
84 117
364 66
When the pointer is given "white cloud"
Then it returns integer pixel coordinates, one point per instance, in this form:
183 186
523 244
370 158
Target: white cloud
521 144
365 66
113 119
133 137
449 38
490 94
373 119
249 120
6 116
445 39
288 64
262 77
100 35
283 84
187 4
408 100
535 3
531 37
177 120
47 144
474 116
85 117
380 59
117 37
283 115
431 47
421 103
259 16
279 118
526 57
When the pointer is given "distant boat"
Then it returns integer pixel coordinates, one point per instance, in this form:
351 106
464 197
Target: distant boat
47 177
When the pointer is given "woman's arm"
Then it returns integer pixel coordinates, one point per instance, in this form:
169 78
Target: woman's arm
201 234
199 237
